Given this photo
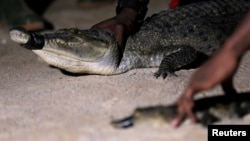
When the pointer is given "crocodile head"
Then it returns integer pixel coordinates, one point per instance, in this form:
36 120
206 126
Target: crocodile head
73 50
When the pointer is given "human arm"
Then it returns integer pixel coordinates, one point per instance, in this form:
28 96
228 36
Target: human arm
219 69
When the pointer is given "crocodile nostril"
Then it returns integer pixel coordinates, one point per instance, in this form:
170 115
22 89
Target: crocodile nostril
19 35
29 40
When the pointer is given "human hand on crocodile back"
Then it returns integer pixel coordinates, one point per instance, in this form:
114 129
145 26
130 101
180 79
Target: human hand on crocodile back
121 26
219 69
128 14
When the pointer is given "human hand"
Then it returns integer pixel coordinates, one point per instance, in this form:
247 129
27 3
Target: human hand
121 26
220 68
185 105
216 70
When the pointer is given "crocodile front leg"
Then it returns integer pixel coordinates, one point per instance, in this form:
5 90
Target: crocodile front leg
183 55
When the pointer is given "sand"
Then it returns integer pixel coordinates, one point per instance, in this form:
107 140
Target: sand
40 103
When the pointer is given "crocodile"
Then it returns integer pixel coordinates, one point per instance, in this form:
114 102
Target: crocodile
207 110
170 40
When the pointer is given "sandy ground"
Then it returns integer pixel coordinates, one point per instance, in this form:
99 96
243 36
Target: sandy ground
41 103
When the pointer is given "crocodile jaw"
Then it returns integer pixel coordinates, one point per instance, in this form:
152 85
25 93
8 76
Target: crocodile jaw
103 62
72 65
73 50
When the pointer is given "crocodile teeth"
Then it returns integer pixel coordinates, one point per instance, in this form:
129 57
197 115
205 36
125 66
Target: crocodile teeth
71 44
68 43
60 41
19 35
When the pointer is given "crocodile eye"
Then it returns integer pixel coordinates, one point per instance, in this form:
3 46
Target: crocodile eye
74 30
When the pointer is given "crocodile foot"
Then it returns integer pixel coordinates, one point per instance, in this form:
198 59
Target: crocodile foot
164 74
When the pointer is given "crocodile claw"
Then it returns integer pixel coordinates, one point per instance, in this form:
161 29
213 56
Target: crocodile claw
164 74
28 39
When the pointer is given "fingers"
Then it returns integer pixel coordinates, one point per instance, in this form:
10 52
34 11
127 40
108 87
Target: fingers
182 114
185 106
178 119
119 34
114 28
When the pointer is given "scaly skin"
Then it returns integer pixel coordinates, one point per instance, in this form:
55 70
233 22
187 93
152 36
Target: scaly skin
169 40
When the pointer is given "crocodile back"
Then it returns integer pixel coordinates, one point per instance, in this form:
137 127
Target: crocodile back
203 26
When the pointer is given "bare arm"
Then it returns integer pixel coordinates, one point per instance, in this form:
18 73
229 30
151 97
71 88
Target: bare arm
219 68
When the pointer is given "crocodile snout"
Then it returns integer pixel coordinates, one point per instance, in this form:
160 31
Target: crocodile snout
29 40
